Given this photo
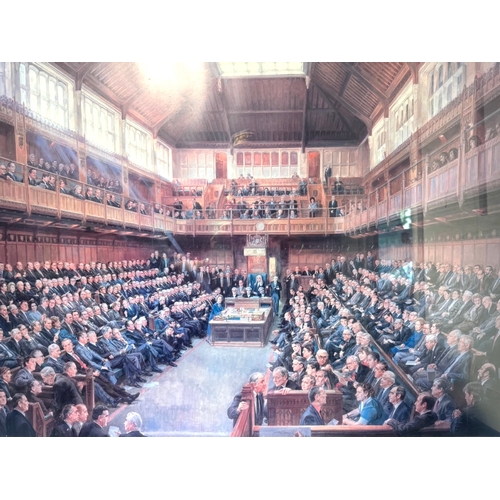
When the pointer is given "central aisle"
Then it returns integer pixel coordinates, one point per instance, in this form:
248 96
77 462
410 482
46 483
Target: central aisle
192 399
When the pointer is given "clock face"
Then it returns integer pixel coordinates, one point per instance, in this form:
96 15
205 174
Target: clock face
259 226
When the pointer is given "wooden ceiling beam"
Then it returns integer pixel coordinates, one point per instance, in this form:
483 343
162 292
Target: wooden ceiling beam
166 138
368 81
335 110
105 92
225 116
304 118
346 83
165 119
393 87
82 72
126 105
265 111
414 66
214 69
348 106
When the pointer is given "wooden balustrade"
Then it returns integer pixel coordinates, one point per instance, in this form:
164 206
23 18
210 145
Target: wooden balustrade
413 195
478 168
482 164
443 182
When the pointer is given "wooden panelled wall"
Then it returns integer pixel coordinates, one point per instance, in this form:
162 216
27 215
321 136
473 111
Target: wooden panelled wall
25 246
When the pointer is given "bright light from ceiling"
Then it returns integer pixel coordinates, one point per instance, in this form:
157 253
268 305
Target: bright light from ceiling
168 72
158 72
261 68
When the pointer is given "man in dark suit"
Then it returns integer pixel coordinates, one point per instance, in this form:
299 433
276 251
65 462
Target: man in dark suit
100 416
333 207
8 357
426 417
69 416
53 359
274 291
16 422
281 381
66 390
457 370
312 415
4 411
432 352
400 410
444 405
387 382
133 424
258 382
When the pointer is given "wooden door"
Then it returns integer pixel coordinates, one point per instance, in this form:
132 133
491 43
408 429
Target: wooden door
313 164
221 166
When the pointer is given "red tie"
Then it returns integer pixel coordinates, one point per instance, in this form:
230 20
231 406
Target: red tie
83 366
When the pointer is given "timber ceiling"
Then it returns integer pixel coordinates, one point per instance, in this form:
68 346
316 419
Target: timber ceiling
332 104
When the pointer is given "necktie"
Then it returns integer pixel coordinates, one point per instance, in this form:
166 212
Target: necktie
80 362
436 406
258 409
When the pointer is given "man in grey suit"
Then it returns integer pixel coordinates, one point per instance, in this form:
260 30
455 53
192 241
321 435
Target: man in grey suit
258 383
456 370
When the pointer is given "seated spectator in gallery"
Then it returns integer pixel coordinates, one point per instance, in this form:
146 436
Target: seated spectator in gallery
44 183
32 174
130 206
63 187
52 183
98 196
474 142
11 173
453 154
77 192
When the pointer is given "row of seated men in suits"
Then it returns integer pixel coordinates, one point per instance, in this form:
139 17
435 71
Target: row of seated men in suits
182 307
261 209
439 343
73 422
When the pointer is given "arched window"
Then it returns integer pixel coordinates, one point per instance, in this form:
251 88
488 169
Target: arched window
44 93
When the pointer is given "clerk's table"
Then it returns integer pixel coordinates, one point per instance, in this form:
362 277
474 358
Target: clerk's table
242 326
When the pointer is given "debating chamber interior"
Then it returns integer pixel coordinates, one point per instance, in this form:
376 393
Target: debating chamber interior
249 249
